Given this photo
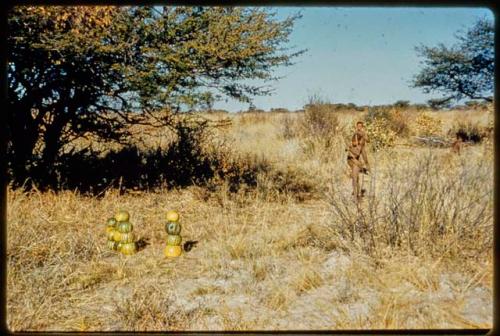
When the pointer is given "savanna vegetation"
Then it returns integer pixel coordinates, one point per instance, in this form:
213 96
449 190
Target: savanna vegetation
417 253
281 242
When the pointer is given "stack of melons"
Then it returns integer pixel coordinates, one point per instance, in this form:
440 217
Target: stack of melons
110 232
123 233
174 239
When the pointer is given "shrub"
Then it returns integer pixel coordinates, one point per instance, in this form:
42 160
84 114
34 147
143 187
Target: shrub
402 104
319 126
439 103
477 105
238 171
384 125
290 182
242 173
380 134
319 121
289 128
469 131
427 125
184 162
420 107
252 118
394 119
399 122
280 110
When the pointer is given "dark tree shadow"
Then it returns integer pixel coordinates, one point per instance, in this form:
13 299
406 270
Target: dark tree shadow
182 164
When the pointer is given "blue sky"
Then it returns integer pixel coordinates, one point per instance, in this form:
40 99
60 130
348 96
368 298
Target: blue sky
361 55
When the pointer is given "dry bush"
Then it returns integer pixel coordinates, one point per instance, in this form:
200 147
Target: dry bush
195 156
379 134
278 299
425 208
289 127
472 132
313 236
252 118
400 122
291 182
395 119
238 170
244 173
319 129
307 279
319 121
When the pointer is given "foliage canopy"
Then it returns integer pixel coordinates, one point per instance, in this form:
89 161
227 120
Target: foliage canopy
464 70
75 71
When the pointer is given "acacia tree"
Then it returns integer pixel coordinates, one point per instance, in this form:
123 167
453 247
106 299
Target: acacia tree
464 70
75 71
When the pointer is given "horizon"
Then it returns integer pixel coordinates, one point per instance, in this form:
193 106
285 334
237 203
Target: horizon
351 50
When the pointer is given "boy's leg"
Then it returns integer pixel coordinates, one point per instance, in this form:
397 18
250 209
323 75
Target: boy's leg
355 180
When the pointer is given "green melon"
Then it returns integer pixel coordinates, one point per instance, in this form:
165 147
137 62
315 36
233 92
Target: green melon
125 227
111 222
127 237
173 228
174 240
111 245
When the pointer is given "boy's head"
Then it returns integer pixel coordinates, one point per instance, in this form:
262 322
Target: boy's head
359 126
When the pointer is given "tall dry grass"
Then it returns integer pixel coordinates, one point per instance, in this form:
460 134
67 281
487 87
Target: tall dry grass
416 253
435 205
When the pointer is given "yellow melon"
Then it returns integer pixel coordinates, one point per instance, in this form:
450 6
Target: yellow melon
111 235
128 248
172 216
172 251
117 236
122 216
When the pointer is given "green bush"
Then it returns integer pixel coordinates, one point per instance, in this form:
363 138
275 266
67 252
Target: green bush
427 125
384 125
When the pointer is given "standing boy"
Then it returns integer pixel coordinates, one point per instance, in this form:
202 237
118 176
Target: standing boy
357 158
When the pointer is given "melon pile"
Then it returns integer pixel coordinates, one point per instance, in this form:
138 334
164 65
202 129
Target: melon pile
110 233
174 239
120 235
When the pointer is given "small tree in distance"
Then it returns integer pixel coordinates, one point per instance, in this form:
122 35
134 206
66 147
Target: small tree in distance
402 104
464 70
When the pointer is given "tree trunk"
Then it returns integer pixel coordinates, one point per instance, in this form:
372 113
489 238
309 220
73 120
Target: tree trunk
23 136
52 142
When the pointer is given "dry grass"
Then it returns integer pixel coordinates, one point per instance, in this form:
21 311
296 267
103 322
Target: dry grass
417 254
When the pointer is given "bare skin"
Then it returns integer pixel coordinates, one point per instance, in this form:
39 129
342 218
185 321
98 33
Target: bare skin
357 158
